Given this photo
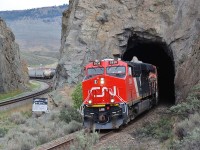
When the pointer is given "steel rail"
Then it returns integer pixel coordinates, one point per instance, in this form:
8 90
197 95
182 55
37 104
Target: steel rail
15 100
65 142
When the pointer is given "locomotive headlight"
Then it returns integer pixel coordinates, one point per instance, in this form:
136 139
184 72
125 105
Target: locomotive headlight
90 102
112 100
102 80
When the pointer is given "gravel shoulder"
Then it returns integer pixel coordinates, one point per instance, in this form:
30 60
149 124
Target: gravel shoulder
124 139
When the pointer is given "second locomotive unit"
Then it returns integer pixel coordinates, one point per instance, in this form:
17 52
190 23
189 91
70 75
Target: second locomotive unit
116 91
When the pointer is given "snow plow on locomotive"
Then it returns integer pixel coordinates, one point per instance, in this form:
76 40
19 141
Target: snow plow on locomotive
115 92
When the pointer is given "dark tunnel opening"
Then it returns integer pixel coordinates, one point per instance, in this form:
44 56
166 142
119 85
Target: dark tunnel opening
158 54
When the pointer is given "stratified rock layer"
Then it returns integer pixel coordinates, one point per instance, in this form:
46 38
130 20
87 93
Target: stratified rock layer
12 76
100 28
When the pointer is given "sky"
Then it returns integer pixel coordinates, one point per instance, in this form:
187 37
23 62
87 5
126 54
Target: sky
28 4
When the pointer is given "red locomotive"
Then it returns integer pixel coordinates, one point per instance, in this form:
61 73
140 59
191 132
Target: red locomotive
116 91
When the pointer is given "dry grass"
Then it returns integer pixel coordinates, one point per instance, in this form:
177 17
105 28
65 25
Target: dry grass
187 130
85 141
5 115
17 118
10 94
67 92
16 93
37 131
28 132
61 97
25 131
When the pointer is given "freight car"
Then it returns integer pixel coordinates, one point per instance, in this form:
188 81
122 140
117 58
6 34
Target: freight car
116 91
44 73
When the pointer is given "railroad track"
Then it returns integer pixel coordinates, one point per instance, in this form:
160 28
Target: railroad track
60 144
65 142
15 100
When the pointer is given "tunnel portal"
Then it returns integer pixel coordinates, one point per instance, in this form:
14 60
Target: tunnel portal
158 54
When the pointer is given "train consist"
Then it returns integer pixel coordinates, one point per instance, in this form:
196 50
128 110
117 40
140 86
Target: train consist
43 73
116 91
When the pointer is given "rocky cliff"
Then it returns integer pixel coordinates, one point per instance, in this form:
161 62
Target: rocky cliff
12 76
162 32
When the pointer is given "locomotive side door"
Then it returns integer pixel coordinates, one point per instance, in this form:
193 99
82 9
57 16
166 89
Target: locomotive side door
132 84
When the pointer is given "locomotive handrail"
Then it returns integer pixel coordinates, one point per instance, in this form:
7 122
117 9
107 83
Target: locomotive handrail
81 107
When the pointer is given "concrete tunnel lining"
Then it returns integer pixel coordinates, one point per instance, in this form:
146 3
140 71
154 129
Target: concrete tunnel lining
158 54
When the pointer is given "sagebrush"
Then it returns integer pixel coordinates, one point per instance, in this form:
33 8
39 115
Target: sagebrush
77 96
162 129
85 141
69 113
187 130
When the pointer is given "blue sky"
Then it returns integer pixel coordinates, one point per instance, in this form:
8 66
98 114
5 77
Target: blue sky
28 4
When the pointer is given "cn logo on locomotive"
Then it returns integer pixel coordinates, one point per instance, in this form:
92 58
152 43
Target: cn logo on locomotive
112 92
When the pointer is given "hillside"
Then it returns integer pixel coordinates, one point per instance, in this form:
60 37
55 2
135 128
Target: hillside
36 13
36 30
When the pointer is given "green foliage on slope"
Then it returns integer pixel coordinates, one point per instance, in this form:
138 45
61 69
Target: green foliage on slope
36 60
187 129
77 96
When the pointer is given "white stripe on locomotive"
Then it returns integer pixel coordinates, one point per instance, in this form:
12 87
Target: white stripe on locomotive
136 87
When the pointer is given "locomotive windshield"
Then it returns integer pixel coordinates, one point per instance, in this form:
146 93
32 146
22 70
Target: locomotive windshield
117 71
91 72
95 71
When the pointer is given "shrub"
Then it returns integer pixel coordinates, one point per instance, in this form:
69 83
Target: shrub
190 106
188 130
77 96
184 128
85 141
162 129
3 132
43 137
27 114
57 98
190 142
54 115
17 118
36 131
73 126
69 114
17 140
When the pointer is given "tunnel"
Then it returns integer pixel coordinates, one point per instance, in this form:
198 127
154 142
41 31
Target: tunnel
157 53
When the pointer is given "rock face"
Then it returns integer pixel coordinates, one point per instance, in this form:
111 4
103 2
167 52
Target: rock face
12 76
93 29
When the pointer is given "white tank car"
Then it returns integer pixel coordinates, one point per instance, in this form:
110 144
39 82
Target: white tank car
47 73
41 72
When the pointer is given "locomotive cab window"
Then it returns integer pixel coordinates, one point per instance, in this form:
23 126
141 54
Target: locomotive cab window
116 71
91 72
